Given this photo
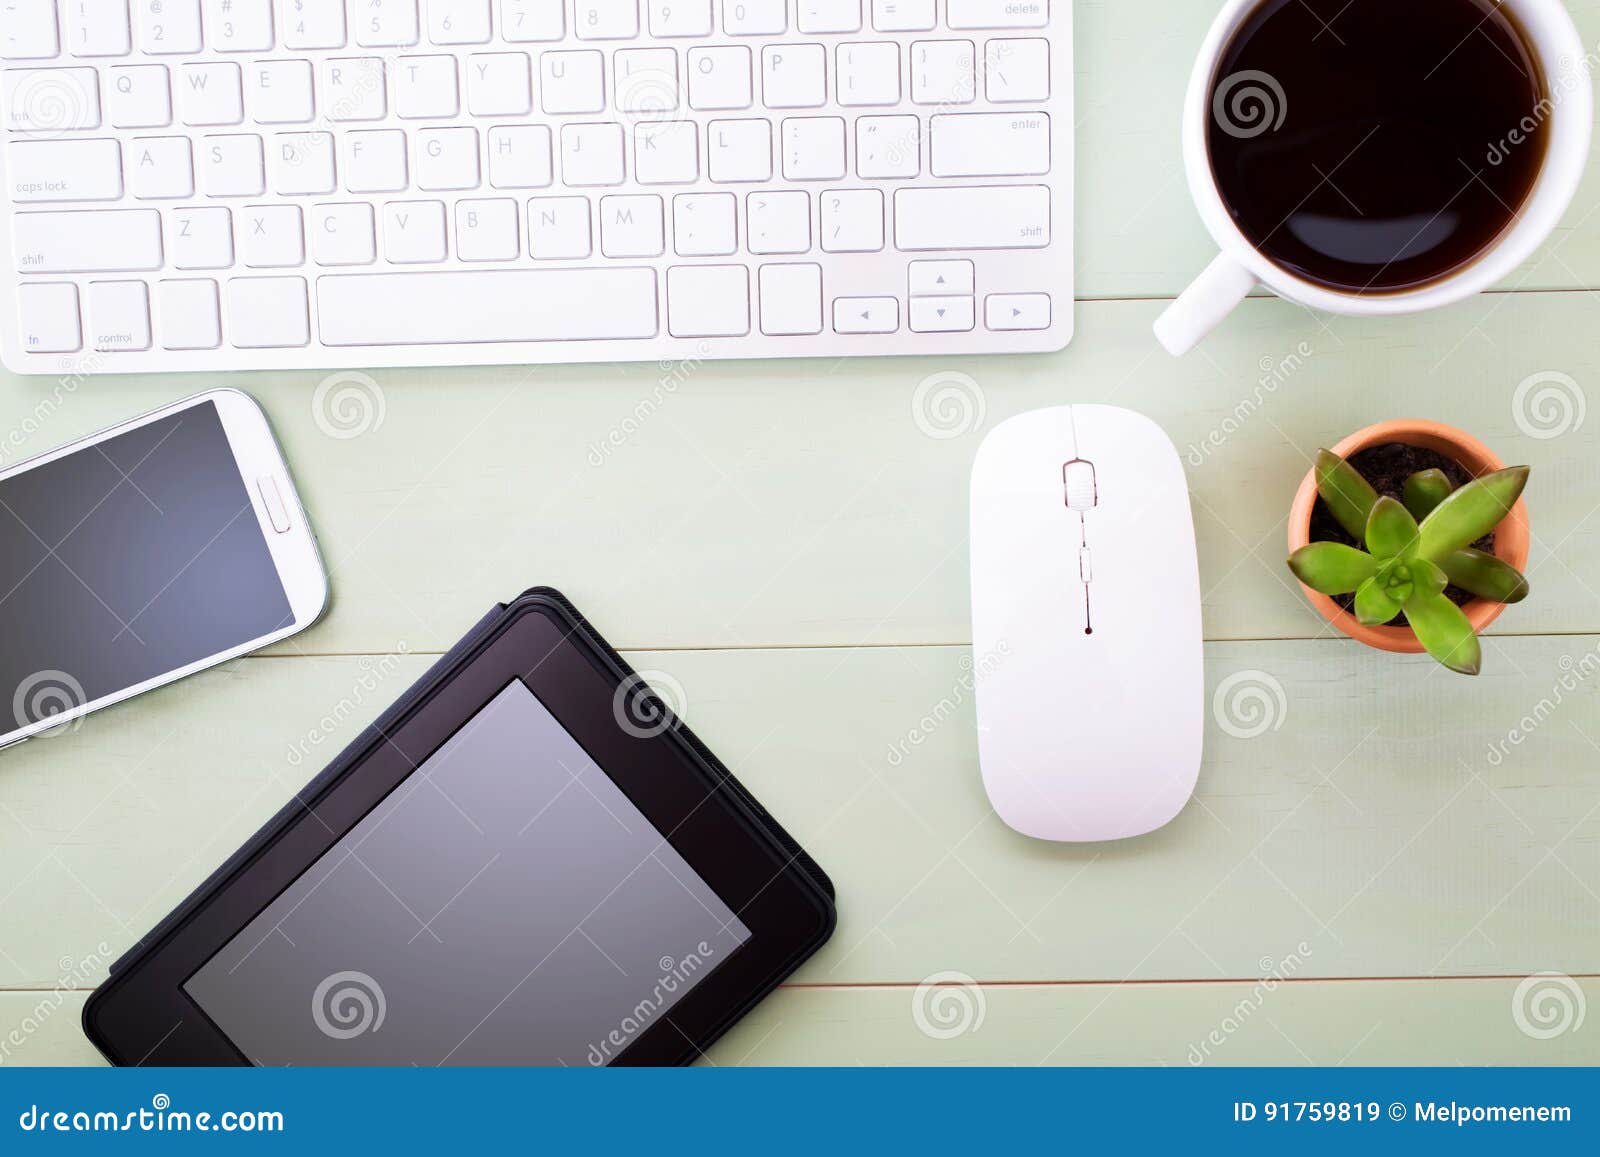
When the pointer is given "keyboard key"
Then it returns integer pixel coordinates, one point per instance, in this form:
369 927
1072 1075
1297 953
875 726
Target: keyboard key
719 78
813 148
852 221
271 236
646 80
739 150
343 234
829 15
425 86
940 279
139 97
351 88
302 163
374 161
486 305
447 159
572 82
1013 311
201 238
527 21
964 14
791 299
1016 71
309 23
458 21
51 100
703 224
211 94
606 19
161 168
888 146
867 74
666 152
49 318
119 315
591 154
778 222
102 240
499 84
902 15
190 316
558 228
708 301
413 232
30 34
941 314
631 226
278 92
486 230
754 17
989 217
64 170
241 25
942 72
866 315
989 144
670 18
97 28
794 75
519 157
168 27
232 166
268 313
386 23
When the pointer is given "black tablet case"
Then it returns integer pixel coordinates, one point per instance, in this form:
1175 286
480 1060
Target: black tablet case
436 676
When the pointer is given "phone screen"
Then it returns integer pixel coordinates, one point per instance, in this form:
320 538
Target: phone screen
126 560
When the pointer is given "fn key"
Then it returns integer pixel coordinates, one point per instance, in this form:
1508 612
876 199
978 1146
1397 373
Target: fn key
49 318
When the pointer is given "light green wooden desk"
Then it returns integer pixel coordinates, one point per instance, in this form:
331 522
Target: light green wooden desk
787 545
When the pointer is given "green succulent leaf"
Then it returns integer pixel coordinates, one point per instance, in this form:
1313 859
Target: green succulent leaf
1424 490
1471 512
1444 632
1374 605
1485 576
1391 531
1428 578
1348 495
1332 568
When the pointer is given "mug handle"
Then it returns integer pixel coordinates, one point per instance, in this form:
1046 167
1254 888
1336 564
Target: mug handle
1200 308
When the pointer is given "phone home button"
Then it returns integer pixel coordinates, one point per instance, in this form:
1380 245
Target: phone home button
272 499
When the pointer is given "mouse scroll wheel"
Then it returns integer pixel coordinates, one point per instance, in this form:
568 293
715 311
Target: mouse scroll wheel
1082 491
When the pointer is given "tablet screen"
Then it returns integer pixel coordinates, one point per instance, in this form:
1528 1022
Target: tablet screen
505 905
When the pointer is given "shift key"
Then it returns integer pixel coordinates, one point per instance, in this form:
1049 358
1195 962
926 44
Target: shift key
983 217
87 241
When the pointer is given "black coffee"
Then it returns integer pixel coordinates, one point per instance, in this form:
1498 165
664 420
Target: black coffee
1377 145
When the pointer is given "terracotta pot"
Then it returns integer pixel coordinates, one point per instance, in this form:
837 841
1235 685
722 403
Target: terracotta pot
1510 539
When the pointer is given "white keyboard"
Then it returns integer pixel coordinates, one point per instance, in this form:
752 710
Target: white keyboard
256 184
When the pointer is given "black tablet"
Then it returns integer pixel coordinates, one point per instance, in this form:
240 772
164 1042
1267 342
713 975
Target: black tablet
528 860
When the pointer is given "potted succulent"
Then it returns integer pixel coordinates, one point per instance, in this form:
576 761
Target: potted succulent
1411 537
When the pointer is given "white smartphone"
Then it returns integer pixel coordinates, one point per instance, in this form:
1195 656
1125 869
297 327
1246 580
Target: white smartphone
144 553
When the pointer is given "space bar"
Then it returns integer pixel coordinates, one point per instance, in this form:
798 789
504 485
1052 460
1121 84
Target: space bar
486 306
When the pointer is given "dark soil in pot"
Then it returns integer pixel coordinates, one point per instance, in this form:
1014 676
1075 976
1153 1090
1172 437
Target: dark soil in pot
1387 467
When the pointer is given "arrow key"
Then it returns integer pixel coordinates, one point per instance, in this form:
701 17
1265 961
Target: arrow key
865 315
941 314
1012 311
941 279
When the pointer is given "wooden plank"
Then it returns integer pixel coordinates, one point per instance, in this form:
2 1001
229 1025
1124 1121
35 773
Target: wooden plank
756 504
1446 1022
1387 847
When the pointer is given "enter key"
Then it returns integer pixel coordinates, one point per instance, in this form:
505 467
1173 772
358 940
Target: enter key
985 144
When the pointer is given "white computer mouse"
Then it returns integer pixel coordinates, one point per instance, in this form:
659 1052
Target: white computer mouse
1085 624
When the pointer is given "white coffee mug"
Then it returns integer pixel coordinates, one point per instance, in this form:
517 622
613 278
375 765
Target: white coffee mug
1240 267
